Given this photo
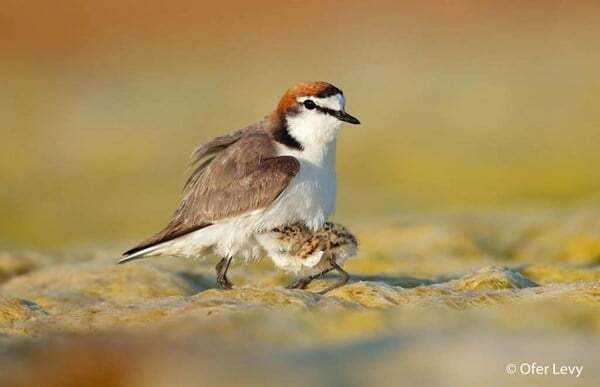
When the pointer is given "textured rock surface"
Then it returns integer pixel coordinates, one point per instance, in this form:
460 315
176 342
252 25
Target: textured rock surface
14 310
434 299
74 285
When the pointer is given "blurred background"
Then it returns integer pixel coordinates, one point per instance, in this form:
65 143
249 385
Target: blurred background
463 104
473 186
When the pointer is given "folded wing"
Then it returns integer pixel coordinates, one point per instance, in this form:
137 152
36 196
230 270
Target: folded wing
235 175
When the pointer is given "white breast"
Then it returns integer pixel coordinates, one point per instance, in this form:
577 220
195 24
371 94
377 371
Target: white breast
310 197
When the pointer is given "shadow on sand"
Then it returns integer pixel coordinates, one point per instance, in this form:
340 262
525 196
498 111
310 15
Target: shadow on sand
400 280
202 282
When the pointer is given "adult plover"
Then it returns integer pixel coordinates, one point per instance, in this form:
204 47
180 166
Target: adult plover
273 173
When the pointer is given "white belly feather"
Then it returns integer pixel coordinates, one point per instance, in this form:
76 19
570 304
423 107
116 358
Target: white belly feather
310 197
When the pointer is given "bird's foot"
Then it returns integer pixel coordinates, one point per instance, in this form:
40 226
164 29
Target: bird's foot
336 285
341 282
224 283
301 283
222 280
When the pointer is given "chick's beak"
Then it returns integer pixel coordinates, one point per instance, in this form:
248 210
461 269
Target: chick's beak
343 116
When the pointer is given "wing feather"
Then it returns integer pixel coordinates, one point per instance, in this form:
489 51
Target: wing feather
235 174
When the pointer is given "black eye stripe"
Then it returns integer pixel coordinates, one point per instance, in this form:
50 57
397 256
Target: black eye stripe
325 110
311 105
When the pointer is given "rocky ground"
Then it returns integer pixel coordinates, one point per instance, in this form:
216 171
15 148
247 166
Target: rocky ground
437 299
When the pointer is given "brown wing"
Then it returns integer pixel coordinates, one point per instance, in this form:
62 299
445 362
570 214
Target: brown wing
205 153
238 178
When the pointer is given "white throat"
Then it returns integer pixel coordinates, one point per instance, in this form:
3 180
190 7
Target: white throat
312 127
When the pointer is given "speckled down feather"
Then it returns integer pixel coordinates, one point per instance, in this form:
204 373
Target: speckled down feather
297 247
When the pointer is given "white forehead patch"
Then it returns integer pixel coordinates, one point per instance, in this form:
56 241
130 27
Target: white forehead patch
333 102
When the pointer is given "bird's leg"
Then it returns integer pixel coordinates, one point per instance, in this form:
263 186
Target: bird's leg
341 282
221 268
303 282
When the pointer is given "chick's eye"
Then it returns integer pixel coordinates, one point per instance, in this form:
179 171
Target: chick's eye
309 104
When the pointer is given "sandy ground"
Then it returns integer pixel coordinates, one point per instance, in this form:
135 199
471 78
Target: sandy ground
436 299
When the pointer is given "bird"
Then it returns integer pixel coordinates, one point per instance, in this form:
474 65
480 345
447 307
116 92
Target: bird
275 172
296 248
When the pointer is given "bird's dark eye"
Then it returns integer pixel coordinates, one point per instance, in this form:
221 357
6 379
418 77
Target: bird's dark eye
310 105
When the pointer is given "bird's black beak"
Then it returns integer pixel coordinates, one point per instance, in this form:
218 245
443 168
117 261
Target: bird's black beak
343 116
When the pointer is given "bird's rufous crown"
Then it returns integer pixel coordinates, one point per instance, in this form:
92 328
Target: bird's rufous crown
317 89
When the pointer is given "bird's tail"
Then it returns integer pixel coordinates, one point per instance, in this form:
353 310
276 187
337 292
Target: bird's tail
145 253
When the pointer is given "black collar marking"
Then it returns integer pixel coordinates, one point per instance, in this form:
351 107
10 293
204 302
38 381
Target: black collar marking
283 136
